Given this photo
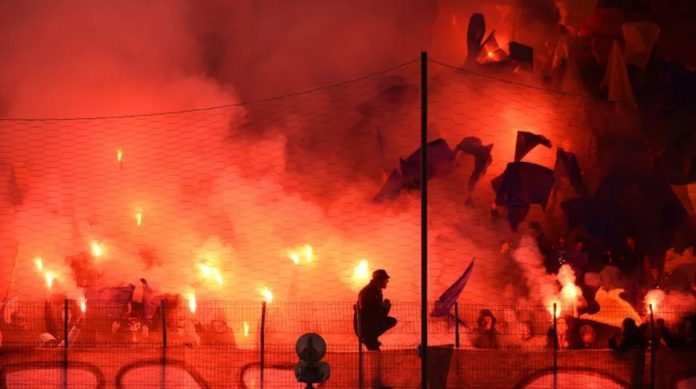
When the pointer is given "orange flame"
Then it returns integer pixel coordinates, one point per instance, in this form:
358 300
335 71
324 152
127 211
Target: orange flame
654 298
266 294
489 54
191 302
361 273
39 264
83 304
217 276
246 329
139 218
119 155
305 255
97 250
49 279
209 272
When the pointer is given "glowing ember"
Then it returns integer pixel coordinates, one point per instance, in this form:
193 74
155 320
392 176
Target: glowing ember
246 329
490 54
39 264
554 308
361 274
97 249
119 155
295 257
139 218
217 276
209 272
49 279
570 291
654 299
309 253
205 270
303 255
266 294
83 304
191 302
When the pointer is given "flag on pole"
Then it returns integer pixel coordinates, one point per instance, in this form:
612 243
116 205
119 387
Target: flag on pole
447 299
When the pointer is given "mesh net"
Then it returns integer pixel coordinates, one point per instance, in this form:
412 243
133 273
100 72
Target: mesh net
163 235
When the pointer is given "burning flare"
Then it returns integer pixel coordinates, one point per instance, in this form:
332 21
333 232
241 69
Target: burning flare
83 303
217 276
139 218
361 274
191 297
39 264
246 329
266 294
654 298
209 272
119 155
303 255
49 279
97 250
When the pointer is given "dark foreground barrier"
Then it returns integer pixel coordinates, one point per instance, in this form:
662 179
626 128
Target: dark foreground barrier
222 367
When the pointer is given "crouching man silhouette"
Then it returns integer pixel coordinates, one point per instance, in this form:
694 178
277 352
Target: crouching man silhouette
372 311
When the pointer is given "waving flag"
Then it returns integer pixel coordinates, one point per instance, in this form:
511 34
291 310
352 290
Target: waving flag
447 299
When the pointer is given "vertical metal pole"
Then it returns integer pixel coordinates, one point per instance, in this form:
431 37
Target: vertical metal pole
555 347
653 347
360 350
424 219
66 322
456 324
163 311
263 343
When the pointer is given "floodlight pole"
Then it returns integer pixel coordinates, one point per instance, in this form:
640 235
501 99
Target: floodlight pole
424 219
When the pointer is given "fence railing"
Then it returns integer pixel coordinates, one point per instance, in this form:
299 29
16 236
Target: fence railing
251 344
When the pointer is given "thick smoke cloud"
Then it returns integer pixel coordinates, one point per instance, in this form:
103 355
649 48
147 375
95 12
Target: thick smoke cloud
237 188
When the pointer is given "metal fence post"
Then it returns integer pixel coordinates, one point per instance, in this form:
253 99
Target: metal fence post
424 218
456 324
555 347
360 350
263 343
66 322
163 311
653 347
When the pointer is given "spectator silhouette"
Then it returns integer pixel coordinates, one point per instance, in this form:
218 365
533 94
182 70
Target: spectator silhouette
373 311
486 334
629 338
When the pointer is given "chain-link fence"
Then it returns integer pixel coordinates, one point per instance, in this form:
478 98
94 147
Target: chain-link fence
492 346
193 248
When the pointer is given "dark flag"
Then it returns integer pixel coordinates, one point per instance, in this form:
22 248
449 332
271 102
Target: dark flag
567 167
391 189
628 204
526 141
450 296
522 185
474 35
441 161
482 158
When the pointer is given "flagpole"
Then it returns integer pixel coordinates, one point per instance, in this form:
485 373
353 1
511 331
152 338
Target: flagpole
424 219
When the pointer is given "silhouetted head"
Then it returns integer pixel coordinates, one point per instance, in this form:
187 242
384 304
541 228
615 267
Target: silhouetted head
486 319
381 278
629 326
